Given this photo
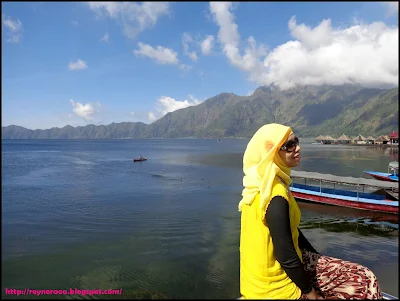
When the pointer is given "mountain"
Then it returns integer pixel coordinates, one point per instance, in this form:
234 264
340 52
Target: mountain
309 110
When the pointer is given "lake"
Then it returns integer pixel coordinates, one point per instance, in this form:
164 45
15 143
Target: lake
81 214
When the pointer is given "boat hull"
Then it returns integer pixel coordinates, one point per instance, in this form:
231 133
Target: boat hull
139 160
382 176
379 204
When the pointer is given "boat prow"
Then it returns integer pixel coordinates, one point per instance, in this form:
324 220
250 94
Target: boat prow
383 176
391 176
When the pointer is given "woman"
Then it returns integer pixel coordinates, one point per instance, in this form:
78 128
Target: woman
276 260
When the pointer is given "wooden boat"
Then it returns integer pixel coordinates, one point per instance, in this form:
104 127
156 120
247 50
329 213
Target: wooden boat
385 199
382 176
139 159
389 176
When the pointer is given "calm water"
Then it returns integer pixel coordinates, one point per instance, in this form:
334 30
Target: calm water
82 214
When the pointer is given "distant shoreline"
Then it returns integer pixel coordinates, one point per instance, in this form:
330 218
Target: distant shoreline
308 139
357 145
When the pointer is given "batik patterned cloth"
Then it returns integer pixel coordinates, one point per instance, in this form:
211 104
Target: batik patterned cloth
339 279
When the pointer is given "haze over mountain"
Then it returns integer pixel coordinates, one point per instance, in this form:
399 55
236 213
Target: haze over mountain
309 110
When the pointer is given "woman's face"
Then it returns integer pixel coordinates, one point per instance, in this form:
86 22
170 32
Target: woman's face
290 151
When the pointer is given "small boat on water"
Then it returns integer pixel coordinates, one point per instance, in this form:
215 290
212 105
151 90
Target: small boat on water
391 176
139 159
385 199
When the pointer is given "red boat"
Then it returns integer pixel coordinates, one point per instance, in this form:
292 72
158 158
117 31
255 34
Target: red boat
385 199
383 176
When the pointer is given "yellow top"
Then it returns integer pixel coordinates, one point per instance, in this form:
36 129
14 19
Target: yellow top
261 275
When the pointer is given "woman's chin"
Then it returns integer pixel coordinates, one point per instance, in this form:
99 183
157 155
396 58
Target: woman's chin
295 163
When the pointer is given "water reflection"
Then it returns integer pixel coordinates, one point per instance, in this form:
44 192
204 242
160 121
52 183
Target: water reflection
341 219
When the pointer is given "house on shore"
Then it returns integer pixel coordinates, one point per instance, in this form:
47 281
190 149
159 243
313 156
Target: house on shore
382 140
394 138
344 139
359 139
319 139
325 139
370 140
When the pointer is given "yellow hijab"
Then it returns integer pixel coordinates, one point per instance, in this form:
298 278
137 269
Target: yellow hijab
262 163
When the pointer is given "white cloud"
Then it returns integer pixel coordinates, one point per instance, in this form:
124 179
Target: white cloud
78 65
186 40
134 17
229 38
85 111
194 100
105 38
185 67
75 23
160 54
366 54
151 116
167 104
132 114
392 7
207 44
193 56
14 28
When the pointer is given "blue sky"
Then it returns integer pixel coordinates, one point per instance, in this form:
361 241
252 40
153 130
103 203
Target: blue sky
82 63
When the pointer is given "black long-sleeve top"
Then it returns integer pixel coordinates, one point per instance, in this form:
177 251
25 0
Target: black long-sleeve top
278 221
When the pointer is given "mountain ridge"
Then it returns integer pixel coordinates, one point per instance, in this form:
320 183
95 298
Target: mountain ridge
309 110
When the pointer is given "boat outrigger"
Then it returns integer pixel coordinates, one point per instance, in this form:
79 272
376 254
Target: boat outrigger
139 159
392 175
388 297
385 199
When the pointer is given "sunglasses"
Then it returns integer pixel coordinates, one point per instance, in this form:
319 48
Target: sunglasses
290 145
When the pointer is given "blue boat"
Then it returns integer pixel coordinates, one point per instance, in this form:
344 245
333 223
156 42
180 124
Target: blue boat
385 199
389 176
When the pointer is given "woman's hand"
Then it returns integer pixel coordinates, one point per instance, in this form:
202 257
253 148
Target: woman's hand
314 296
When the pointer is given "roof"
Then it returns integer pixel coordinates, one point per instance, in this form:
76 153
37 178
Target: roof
394 135
344 180
343 138
381 138
326 138
360 137
370 138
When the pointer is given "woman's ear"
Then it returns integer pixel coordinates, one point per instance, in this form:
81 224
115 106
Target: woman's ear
268 145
